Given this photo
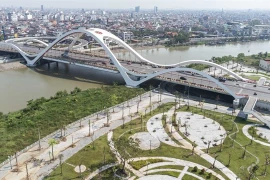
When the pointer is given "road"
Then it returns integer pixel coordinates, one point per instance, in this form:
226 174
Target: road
99 59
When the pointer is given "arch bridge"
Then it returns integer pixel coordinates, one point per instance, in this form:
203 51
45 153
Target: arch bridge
108 42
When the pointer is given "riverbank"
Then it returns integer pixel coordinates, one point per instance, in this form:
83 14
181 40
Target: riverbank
11 66
19 128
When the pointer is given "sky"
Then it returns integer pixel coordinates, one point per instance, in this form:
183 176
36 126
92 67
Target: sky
144 4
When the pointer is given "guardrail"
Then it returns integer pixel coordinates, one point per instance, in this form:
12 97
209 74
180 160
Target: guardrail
87 118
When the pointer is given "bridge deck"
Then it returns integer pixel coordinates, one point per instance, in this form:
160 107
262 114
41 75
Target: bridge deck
250 104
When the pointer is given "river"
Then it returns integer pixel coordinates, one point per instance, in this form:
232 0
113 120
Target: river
201 52
21 85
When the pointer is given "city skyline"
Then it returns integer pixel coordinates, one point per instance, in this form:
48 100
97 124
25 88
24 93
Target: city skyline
150 4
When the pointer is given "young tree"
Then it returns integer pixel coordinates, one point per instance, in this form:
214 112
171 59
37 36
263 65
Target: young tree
60 156
51 143
113 100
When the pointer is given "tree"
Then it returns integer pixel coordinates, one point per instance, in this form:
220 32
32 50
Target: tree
229 162
121 144
113 100
61 164
51 143
240 56
193 147
253 171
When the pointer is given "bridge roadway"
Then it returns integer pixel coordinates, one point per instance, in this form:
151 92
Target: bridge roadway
97 59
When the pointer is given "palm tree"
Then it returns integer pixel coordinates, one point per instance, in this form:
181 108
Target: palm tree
52 142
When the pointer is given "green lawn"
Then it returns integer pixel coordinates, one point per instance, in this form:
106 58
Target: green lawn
164 150
253 132
91 156
169 173
238 164
170 167
20 129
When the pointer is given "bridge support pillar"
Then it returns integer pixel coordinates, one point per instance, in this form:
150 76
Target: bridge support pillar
57 64
49 65
236 103
30 65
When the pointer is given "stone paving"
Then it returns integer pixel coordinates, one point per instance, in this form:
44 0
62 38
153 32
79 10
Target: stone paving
146 141
201 130
155 128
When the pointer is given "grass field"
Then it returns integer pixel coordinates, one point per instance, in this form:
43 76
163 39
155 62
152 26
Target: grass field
238 164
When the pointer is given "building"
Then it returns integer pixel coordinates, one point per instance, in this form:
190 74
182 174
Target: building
155 9
137 9
41 8
126 36
12 17
265 64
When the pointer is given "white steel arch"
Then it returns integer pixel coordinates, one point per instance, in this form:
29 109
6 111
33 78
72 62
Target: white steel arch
99 35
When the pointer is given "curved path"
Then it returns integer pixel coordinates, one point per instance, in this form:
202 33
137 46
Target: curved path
172 161
245 132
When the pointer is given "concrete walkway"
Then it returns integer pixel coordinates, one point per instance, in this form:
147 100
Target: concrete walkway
245 132
172 161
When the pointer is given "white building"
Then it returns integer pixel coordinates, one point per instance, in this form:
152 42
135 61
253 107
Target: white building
265 64
127 36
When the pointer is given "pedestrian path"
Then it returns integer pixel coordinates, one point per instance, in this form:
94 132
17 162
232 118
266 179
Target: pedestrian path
172 161
245 132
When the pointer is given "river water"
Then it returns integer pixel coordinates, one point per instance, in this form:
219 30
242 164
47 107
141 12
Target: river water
21 85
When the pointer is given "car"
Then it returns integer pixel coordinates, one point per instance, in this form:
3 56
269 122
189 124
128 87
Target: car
222 79
255 93
254 85
154 66
183 78
129 63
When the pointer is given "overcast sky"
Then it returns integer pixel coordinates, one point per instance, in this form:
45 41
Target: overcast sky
145 4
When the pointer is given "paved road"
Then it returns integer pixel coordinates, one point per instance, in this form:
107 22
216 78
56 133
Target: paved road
102 60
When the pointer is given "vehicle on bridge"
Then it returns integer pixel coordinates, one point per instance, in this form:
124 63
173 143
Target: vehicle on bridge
183 78
222 79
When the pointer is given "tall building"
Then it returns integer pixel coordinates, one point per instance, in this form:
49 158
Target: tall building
137 9
41 8
155 9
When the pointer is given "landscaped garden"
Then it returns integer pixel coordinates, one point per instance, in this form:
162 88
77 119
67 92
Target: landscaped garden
246 158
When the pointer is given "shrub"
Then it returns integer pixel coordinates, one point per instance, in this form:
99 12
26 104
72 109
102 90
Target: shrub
202 171
209 175
195 169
